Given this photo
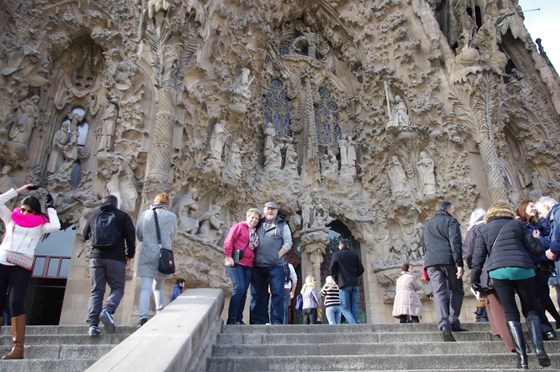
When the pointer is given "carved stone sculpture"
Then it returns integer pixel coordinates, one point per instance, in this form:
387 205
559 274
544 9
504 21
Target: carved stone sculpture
219 136
425 167
107 128
26 117
399 181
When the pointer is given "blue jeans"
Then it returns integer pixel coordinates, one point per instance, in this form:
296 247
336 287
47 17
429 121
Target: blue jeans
240 277
263 277
349 303
287 301
334 313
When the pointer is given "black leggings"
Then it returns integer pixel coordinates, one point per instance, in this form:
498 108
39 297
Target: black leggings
310 316
13 285
506 289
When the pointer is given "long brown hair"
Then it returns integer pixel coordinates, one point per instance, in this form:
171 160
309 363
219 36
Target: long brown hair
520 211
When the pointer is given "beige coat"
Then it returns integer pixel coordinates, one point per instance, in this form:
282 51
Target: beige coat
407 301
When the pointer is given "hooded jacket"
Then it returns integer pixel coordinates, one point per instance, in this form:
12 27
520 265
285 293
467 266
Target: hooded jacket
509 250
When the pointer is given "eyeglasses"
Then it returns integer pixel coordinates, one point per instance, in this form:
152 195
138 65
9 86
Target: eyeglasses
25 210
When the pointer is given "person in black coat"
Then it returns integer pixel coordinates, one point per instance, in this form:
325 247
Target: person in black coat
443 259
346 267
503 243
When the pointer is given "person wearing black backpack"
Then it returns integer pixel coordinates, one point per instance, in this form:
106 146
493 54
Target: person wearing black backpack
113 239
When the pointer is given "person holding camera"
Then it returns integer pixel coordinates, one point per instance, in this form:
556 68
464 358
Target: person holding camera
240 243
25 226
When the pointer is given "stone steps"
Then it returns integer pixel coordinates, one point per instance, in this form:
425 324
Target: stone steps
60 348
363 347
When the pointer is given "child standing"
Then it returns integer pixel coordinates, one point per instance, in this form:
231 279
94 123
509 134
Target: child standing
310 300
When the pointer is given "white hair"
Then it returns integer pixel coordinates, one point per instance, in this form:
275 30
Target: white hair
546 200
475 216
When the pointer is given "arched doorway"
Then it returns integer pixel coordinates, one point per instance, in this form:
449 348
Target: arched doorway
338 231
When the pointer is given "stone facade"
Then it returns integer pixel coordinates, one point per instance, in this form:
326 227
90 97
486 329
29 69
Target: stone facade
361 112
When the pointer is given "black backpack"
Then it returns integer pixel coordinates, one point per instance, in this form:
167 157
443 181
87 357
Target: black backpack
104 231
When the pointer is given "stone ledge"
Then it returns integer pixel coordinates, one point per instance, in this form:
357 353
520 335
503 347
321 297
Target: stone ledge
177 339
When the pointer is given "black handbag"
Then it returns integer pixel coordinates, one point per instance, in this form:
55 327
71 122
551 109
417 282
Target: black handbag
237 255
166 264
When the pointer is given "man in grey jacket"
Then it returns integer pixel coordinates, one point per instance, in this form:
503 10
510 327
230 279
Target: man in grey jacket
443 258
275 240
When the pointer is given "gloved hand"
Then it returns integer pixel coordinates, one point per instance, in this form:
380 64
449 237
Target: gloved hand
477 287
49 202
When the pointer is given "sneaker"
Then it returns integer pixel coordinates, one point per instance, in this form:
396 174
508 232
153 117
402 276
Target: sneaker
94 331
447 335
107 320
142 322
458 328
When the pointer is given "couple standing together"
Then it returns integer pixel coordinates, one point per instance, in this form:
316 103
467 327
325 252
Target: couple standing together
265 241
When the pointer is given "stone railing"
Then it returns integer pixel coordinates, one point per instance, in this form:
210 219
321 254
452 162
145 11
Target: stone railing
179 338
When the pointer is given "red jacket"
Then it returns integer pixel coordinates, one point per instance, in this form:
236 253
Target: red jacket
238 238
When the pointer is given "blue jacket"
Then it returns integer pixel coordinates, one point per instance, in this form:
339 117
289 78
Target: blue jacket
552 241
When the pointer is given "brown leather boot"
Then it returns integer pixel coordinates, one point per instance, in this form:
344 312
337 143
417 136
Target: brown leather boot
18 337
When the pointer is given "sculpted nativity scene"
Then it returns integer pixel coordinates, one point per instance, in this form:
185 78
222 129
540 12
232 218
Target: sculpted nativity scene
356 117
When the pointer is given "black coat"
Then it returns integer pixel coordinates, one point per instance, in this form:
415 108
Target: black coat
510 250
346 267
128 235
441 241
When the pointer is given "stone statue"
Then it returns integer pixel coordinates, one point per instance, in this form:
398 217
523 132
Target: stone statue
304 203
290 164
269 133
61 139
234 166
241 86
26 117
187 206
399 114
274 158
108 128
397 176
425 167
218 139
468 28
347 157
329 166
210 224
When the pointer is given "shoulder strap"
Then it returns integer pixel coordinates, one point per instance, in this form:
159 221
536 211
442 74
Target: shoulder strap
157 228
500 233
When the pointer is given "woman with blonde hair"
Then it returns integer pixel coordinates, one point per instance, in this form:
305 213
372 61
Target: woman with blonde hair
151 280
310 300
332 300
407 306
242 237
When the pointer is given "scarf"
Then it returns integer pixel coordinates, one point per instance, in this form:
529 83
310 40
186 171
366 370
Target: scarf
28 220
253 238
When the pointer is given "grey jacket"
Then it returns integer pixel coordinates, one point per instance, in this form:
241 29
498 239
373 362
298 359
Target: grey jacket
148 257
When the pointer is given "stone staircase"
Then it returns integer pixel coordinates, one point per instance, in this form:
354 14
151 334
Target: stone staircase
364 347
60 348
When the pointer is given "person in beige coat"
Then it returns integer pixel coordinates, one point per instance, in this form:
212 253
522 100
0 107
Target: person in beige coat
407 306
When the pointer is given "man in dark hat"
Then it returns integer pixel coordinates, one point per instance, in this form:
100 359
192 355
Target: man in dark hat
346 267
275 240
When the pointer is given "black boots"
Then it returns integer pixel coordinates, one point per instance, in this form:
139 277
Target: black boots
516 332
534 325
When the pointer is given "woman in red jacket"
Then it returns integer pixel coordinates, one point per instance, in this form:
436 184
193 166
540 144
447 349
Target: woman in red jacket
242 237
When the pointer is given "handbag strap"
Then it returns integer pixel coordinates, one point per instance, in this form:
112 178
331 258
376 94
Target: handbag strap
157 228
495 240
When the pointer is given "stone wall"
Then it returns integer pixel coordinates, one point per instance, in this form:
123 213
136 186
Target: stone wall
362 112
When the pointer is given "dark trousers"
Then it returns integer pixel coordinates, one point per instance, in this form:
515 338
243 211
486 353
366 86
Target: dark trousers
310 316
543 292
105 271
262 278
506 290
13 285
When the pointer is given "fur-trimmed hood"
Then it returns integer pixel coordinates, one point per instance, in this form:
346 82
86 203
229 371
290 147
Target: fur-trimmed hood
499 209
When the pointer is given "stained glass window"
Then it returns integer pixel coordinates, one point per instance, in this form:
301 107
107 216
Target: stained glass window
276 108
327 118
